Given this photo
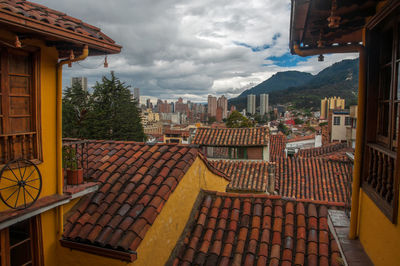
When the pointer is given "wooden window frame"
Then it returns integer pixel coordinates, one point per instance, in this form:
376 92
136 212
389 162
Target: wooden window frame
36 243
36 153
381 166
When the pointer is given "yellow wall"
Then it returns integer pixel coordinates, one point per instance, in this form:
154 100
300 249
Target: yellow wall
379 237
48 61
161 238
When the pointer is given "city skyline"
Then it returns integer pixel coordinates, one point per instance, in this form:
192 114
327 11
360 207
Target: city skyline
191 49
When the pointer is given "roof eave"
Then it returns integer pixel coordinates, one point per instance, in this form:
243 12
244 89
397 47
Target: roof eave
44 29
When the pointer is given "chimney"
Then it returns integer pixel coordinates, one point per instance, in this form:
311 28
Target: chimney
271 178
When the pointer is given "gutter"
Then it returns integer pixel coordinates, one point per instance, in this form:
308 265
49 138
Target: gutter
59 173
360 120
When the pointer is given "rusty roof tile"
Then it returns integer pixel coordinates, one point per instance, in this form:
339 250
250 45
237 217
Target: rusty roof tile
247 244
258 136
132 193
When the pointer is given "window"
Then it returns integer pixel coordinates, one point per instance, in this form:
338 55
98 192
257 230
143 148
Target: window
347 121
336 120
21 243
380 173
18 105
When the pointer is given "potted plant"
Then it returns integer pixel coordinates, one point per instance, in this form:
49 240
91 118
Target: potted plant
70 163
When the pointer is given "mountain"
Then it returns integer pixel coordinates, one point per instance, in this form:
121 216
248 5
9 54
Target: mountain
305 90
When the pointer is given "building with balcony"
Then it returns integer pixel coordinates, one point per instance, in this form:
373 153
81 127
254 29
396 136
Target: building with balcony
371 29
35 43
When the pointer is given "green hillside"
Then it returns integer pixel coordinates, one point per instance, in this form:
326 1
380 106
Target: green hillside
305 90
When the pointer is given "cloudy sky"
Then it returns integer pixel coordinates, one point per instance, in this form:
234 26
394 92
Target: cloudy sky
189 49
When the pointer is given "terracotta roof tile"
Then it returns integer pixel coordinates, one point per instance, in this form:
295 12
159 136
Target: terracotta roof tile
128 202
313 178
256 136
255 243
46 17
333 151
277 145
244 175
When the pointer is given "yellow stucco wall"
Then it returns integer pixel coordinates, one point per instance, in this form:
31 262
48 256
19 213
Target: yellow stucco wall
161 238
48 61
379 237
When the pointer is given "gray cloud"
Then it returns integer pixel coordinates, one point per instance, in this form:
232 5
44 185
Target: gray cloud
174 48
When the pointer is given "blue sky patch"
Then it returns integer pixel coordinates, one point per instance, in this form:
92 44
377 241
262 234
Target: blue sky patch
286 60
254 48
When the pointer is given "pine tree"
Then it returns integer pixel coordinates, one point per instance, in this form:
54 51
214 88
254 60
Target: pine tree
75 108
114 114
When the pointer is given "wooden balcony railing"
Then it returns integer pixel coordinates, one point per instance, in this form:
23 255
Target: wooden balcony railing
379 179
17 146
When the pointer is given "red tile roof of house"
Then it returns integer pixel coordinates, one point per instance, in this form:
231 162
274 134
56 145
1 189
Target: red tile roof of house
244 175
183 133
322 151
301 138
254 136
135 182
248 229
277 145
27 16
313 178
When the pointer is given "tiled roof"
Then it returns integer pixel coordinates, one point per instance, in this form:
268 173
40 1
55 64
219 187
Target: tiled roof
43 19
301 138
313 178
320 151
248 229
277 145
135 182
254 136
244 175
183 133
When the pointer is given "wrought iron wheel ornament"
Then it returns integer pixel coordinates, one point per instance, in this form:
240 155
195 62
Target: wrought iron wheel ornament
20 184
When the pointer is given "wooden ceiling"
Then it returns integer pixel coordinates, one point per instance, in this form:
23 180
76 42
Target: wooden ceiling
309 22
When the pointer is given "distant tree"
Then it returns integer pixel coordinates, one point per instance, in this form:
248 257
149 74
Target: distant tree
75 111
236 120
284 129
114 114
298 121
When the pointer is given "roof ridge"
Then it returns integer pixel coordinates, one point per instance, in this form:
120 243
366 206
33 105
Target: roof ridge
254 195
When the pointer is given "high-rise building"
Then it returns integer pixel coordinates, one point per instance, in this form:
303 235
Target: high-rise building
180 107
223 103
136 94
149 104
251 104
80 80
331 103
212 106
264 105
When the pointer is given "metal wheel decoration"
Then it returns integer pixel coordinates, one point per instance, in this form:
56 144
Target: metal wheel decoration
20 184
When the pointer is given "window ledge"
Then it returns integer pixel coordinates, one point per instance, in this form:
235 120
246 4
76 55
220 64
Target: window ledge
10 217
77 191
352 251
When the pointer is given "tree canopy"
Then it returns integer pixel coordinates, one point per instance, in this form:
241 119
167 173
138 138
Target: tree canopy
108 113
236 119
